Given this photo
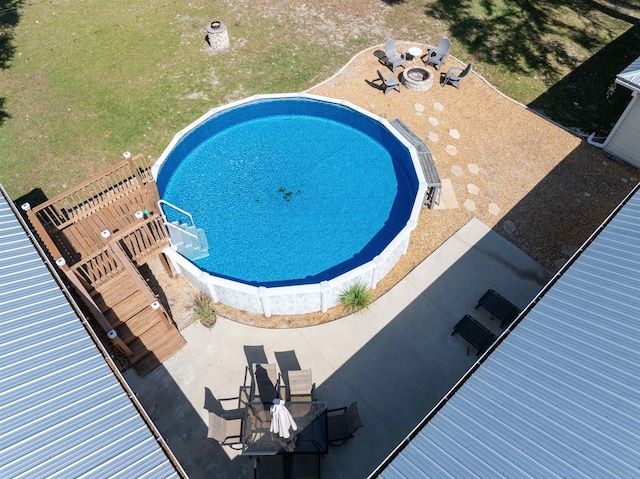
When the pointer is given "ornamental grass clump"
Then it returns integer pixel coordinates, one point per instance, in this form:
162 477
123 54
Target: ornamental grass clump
356 297
203 311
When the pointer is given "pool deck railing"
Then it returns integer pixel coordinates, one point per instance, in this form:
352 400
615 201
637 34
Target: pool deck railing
98 233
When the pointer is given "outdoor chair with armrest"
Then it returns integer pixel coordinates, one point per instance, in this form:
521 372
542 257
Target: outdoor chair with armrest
394 58
342 423
385 82
454 79
300 386
228 432
305 466
437 56
265 383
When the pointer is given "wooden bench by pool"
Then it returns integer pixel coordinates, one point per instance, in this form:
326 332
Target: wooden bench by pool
434 184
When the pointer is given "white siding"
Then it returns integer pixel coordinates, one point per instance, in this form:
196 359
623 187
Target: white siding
625 142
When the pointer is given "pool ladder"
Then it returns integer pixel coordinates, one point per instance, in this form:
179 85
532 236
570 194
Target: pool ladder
190 241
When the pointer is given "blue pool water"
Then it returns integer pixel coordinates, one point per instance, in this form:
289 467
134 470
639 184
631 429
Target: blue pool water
290 191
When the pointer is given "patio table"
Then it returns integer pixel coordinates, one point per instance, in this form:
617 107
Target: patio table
309 438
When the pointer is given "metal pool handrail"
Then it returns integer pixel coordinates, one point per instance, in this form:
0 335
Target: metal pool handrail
186 213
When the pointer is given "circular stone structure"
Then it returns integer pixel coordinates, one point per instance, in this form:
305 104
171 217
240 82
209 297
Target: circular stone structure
417 78
299 197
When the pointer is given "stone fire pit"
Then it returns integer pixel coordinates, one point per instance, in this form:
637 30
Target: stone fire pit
417 78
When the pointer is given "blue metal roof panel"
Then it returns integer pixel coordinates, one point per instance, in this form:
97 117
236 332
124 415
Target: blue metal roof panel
560 396
62 411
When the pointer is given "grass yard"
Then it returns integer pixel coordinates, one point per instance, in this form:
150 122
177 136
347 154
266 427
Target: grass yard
83 81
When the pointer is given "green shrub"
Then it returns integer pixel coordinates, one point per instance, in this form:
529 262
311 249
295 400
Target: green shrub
356 297
203 311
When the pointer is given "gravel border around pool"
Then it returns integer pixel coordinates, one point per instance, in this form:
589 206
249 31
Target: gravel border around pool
539 186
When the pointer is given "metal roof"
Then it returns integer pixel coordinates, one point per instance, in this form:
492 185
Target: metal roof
63 413
560 395
630 76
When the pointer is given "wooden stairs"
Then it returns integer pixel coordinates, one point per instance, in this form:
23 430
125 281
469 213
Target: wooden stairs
139 321
103 267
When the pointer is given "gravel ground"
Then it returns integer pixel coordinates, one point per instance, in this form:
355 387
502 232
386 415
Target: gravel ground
539 186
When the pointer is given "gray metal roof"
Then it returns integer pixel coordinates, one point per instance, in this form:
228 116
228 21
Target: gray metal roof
560 395
63 413
630 76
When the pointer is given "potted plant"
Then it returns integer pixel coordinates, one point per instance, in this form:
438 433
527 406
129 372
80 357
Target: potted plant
203 311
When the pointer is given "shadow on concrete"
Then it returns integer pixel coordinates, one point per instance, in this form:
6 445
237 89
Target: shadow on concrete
402 372
185 429
398 359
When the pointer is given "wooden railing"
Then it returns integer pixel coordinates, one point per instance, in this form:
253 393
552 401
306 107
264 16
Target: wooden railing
94 193
77 284
150 236
138 241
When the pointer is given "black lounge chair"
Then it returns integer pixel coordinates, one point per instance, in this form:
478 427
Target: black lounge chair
499 307
475 333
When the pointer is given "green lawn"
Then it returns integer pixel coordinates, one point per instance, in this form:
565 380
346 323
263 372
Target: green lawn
83 81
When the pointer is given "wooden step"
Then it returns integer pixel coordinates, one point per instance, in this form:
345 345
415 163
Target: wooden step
150 339
125 310
114 291
139 323
173 342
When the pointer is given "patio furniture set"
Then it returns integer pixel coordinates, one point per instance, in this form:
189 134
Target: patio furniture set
394 58
475 333
282 426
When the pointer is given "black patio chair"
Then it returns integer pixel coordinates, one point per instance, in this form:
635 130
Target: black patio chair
342 423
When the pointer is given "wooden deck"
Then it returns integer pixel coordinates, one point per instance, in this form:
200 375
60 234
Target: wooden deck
102 267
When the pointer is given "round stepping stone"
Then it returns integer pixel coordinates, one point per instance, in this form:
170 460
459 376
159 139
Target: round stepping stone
456 170
624 180
509 226
433 137
438 106
494 209
433 121
454 134
568 250
452 150
559 263
473 169
419 107
470 205
472 189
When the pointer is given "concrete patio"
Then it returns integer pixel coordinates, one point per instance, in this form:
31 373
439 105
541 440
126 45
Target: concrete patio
397 359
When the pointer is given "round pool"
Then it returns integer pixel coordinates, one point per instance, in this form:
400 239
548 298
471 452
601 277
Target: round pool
298 196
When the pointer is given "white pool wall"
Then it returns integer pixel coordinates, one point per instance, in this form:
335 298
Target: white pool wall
307 298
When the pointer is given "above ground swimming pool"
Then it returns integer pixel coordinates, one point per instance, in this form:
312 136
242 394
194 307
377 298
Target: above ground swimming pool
291 191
